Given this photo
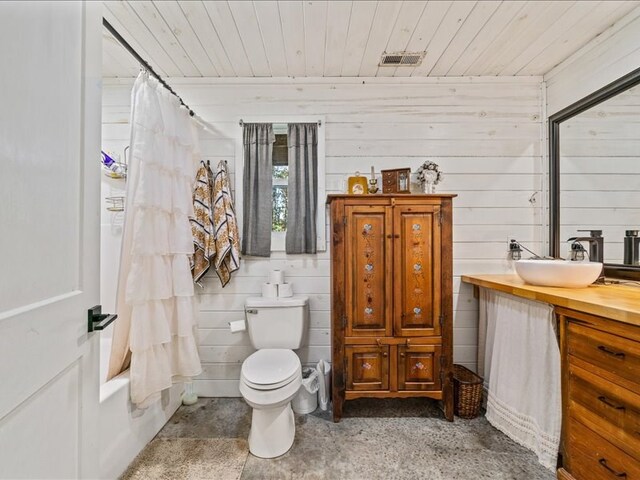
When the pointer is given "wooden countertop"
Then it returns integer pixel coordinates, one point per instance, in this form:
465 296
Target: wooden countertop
618 302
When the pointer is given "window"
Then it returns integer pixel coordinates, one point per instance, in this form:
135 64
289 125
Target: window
280 177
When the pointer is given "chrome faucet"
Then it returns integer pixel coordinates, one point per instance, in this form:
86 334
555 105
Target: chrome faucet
596 244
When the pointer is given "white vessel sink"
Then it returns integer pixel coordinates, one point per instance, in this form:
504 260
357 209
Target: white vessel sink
558 273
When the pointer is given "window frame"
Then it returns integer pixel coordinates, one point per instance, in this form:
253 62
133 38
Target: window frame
278 238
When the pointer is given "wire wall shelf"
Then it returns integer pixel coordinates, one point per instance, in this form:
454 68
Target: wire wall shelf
115 204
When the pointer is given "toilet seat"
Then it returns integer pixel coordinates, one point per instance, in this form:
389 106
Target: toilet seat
270 369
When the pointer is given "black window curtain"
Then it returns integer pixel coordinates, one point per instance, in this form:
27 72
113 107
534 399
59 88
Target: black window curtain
258 139
302 201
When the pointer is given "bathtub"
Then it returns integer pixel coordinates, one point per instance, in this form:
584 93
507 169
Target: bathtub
124 430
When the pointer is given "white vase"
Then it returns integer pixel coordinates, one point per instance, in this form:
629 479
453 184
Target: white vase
428 187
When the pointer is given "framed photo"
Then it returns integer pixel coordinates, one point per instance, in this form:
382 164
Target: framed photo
357 185
397 180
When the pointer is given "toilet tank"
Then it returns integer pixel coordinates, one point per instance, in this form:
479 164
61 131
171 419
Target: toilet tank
277 322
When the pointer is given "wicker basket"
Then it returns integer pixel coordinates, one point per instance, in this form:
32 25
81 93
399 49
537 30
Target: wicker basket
467 392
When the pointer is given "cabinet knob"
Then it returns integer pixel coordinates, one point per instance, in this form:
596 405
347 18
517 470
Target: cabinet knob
402 354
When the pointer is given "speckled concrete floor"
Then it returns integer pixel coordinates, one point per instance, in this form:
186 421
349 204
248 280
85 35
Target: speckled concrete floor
377 439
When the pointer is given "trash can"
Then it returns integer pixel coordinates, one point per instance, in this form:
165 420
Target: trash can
306 401
467 392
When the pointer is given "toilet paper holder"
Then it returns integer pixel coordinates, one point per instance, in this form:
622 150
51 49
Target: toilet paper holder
237 326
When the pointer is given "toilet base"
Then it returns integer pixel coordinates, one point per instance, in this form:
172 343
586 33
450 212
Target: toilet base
272 431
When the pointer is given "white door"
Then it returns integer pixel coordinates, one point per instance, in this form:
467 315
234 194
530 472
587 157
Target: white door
50 74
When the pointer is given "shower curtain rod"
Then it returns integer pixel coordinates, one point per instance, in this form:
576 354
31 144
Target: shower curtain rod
143 63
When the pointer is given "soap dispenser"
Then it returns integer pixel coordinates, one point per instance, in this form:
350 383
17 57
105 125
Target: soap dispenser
631 247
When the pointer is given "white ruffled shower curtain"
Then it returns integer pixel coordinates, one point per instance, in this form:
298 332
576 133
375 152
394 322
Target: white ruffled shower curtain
155 331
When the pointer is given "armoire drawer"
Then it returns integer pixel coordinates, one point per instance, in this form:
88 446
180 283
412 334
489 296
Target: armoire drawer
594 458
612 410
618 355
419 367
367 367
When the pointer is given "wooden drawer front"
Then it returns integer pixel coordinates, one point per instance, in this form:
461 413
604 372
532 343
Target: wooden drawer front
564 475
367 367
615 354
419 367
613 411
591 457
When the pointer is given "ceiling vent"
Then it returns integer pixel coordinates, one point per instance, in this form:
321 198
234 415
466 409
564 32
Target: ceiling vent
401 59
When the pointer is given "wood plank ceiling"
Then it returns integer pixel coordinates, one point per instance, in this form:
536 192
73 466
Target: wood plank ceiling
346 38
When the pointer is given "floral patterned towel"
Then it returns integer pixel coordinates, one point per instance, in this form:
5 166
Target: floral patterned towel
202 223
225 227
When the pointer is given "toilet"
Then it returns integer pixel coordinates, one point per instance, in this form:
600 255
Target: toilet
271 377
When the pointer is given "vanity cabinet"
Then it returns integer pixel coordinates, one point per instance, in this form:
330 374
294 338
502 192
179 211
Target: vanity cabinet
391 261
601 397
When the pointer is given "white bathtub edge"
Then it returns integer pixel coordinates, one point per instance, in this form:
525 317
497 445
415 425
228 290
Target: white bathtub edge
126 430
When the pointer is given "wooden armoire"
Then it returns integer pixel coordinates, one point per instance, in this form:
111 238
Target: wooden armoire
391 305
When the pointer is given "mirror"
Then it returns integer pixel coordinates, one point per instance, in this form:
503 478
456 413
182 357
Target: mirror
595 175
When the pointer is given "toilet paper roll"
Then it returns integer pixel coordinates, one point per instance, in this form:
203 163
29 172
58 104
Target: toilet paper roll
237 326
276 277
269 290
285 290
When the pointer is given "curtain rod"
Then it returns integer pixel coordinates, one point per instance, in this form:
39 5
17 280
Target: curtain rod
143 62
241 122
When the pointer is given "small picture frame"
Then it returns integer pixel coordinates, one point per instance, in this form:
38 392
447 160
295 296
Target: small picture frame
357 185
397 180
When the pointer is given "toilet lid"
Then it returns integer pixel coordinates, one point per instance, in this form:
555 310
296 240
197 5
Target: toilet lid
270 366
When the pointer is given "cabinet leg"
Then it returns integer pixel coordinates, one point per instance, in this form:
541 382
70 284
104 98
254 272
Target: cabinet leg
448 403
337 403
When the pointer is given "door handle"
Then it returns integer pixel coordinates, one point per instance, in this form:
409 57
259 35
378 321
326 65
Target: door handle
98 320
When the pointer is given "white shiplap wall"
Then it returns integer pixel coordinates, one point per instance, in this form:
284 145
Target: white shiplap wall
485 133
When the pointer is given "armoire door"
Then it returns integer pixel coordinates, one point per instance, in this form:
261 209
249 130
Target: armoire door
367 367
417 270
368 296
419 367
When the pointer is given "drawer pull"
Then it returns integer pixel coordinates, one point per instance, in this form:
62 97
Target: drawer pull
603 462
581 322
604 349
607 402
